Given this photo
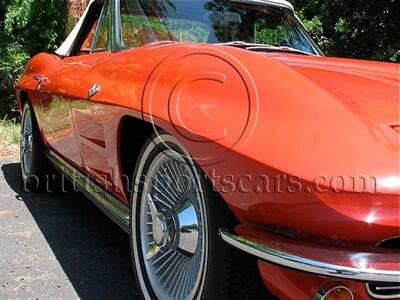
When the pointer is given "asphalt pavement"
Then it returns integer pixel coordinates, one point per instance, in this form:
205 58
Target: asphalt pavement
59 246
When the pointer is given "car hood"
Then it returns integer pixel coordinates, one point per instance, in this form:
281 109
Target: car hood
371 90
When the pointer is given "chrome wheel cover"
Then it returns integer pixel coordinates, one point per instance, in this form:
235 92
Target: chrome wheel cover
26 142
172 228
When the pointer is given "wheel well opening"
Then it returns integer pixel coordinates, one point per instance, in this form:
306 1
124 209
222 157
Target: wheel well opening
23 98
391 243
133 134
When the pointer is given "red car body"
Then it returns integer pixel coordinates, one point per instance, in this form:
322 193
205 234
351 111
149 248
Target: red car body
326 130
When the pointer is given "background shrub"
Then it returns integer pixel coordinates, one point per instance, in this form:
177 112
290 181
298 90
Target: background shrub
26 28
354 28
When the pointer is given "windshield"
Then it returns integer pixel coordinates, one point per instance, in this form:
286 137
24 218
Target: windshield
216 21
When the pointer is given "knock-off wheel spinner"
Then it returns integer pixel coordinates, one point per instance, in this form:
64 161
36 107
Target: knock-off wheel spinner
164 229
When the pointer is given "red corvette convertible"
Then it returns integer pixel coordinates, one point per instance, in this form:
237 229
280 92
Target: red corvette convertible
232 151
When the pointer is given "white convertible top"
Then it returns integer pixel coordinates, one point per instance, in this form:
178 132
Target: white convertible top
66 46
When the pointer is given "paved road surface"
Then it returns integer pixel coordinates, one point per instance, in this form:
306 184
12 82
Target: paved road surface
58 246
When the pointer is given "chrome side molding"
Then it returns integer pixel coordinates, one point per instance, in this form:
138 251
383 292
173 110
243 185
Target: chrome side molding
304 264
107 203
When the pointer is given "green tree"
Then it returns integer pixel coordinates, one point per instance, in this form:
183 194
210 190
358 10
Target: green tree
26 28
354 28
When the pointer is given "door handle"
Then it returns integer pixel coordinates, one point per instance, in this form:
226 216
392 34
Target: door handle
40 79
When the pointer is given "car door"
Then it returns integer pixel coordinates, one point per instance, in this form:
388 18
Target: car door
92 120
61 86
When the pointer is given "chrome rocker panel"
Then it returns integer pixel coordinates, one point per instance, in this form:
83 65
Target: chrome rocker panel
110 205
304 264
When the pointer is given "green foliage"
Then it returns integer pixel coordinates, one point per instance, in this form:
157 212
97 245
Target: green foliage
9 131
27 27
181 30
354 28
12 60
271 36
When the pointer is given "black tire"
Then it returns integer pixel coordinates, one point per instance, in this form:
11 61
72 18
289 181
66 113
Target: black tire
37 174
228 273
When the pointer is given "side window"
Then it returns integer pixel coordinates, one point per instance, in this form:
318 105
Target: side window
134 24
100 42
96 26
280 31
87 44
144 22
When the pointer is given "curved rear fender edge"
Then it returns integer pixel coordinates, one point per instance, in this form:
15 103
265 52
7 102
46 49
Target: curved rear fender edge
20 96
23 96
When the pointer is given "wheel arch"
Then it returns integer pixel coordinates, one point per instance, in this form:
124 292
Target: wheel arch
22 98
132 135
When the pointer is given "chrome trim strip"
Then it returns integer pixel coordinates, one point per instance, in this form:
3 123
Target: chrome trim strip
373 295
277 3
315 47
304 264
110 205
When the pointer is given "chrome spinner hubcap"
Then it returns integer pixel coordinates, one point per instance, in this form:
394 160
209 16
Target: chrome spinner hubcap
187 231
188 228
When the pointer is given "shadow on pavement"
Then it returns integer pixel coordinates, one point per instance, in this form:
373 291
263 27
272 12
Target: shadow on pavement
93 252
